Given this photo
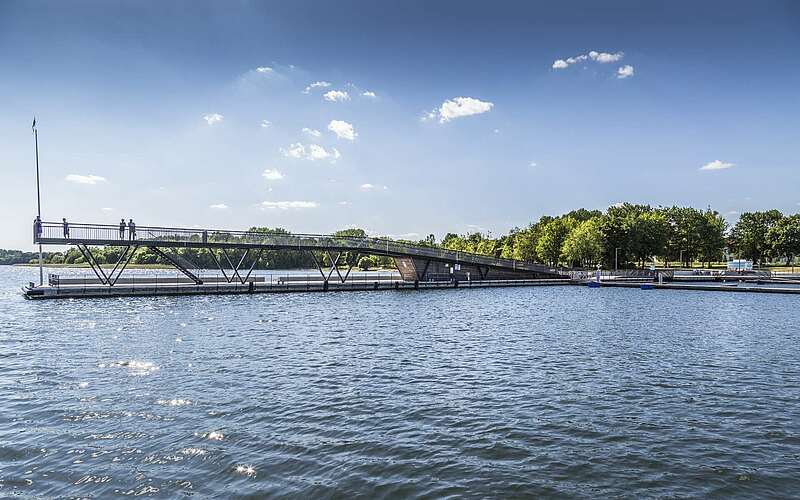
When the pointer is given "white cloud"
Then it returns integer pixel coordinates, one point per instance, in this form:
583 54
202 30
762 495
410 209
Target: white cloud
84 179
295 150
312 131
344 203
287 205
532 164
369 93
315 85
458 107
717 165
312 152
343 130
605 57
317 152
370 187
213 118
264 69
272 174
429 115
107 209
219 206
265 123
600 57
336 95
625 71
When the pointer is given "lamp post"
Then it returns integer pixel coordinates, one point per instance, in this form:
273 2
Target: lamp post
681 257
38 196
616 259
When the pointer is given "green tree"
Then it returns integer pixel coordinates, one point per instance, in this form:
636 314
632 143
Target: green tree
552 239
783 238
711 241
647 235
584 245
366 263
749 235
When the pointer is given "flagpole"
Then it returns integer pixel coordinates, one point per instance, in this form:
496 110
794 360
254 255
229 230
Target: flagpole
38 197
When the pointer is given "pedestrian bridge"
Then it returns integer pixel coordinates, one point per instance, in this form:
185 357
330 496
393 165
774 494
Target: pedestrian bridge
415 262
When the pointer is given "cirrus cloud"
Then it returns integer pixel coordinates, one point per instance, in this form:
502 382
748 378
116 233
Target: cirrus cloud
84 179
287 205
315 85
717 165
272 174
311 152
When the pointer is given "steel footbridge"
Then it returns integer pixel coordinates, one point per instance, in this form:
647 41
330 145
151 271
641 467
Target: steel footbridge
416 263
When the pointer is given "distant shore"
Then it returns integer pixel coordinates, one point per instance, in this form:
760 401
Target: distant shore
86 266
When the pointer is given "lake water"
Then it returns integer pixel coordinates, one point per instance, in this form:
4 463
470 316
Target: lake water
540 391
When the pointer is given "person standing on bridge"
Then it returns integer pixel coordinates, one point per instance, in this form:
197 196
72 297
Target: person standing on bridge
131 230
65 224
122 229
37 227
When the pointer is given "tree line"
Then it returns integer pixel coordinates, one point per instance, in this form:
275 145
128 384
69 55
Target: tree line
630 235
625 235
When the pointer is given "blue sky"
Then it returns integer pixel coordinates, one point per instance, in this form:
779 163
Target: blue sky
158 111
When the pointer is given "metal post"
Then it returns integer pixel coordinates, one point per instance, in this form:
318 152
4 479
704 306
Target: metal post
616 259
38 195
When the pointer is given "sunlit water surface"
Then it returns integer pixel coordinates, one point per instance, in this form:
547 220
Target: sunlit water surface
543 391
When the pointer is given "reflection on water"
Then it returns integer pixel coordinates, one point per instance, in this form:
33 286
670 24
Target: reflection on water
562 391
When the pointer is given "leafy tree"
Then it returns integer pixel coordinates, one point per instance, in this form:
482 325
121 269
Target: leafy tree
584 245
582 215
647 235
366 263
711 237
552 239
783 238
749 235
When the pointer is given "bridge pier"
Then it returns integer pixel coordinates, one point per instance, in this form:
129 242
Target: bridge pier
414 269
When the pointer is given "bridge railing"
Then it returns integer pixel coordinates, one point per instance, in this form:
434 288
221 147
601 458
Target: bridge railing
111 234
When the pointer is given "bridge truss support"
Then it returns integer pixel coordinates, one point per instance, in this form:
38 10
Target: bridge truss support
334 266
235 273
111 278
175 260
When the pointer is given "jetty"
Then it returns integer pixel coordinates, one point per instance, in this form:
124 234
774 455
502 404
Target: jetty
418 266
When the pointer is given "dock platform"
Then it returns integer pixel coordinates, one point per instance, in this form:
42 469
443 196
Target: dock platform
252 287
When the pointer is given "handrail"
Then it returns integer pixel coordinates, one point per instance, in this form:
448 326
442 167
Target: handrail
110 234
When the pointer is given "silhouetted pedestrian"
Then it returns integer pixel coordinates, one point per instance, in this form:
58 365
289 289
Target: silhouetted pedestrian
65 224
122 229
37 227
131 230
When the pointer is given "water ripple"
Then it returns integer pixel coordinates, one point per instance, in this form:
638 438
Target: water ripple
538 392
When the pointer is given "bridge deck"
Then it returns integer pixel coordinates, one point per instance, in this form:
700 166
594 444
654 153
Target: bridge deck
52 233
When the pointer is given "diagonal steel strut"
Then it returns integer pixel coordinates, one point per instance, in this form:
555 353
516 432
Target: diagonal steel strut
177 265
